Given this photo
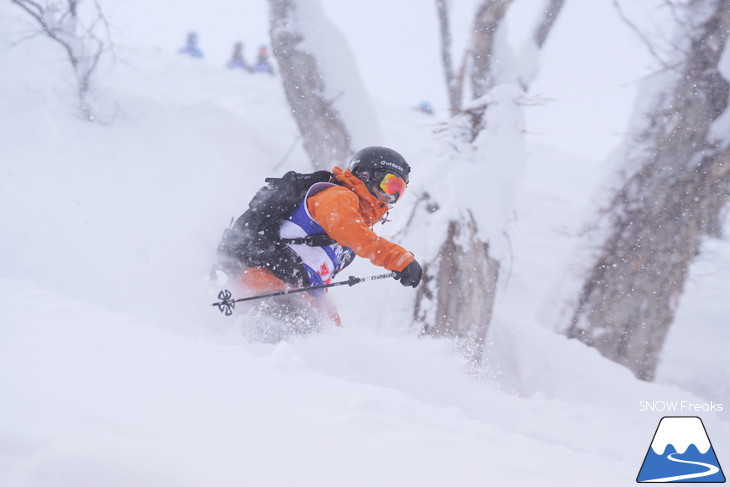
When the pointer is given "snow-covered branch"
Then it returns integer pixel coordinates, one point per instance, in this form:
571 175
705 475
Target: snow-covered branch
486 22
548 20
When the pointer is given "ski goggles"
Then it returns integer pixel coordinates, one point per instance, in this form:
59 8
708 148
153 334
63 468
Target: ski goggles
393 186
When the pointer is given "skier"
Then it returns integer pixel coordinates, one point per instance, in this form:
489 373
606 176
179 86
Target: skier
425 107
262 65
331 223
237 61
191 46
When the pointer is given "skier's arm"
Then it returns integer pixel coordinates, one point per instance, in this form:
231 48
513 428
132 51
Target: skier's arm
336 211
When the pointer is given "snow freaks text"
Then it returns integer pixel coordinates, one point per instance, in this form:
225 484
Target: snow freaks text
680 407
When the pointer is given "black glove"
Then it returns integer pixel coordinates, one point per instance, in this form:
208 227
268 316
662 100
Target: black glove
410 275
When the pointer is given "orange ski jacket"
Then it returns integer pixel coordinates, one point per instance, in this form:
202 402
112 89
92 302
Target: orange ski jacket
347 212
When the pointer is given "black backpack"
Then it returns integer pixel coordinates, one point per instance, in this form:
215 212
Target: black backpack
253 240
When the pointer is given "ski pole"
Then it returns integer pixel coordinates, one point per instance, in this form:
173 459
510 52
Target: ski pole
226 305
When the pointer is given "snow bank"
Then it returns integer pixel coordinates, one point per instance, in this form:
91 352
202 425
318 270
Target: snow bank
94 396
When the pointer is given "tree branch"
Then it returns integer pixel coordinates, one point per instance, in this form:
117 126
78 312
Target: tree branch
453 81
640 35
82 45
548 20
486 22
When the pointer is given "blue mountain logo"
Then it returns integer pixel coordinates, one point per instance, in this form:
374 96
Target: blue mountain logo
681 452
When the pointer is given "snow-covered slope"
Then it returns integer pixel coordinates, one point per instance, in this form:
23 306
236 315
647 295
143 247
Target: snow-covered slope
114 369
92 396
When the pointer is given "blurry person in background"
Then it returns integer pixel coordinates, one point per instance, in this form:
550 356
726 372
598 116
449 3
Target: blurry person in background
237 60
262 62
425 107
191 46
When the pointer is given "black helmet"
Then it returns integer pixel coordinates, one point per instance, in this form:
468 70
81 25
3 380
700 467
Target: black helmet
372 164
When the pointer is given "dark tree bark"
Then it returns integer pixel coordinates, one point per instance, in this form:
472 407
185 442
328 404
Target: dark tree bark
462 288
324 133
677 185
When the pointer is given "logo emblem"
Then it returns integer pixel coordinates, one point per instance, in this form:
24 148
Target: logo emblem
391 164
680 452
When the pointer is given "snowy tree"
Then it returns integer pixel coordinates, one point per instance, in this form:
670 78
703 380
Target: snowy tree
321 83
671 191
486 22
484 151
83 42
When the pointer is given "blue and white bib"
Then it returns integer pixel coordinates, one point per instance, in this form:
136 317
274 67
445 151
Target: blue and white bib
321 263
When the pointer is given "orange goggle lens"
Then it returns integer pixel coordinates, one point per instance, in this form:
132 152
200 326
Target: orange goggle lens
392 185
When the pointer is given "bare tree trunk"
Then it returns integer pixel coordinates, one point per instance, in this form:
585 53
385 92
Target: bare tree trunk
462 288
454 79
488 18
457 297
324 133
675 195
83 45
